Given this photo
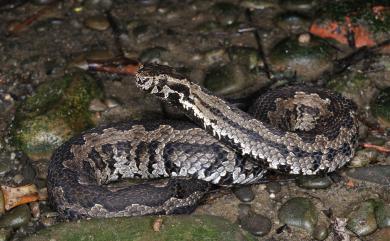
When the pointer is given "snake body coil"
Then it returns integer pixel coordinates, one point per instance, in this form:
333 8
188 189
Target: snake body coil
297 130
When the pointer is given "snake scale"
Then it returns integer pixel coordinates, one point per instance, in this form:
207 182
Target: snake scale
297 130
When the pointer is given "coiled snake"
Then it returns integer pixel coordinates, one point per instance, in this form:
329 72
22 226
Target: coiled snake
297 130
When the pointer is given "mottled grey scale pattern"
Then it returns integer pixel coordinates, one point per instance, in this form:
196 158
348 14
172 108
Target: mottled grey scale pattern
298 130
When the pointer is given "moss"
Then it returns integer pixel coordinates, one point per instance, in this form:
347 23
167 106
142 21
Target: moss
183 228
58 110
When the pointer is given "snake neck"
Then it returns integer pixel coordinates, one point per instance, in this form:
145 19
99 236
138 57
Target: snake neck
280 149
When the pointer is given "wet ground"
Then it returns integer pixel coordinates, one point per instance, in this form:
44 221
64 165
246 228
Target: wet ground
237 49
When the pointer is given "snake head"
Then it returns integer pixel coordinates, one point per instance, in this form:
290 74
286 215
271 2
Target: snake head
164 82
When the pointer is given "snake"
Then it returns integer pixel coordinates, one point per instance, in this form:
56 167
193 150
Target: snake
173 165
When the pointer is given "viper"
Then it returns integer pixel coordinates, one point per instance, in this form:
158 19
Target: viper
294 129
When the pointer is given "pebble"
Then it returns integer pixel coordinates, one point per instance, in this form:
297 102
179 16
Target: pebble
306 60
246 56
244 193
99 23
320 232
226 13
377 174
18 178
226 79
153 55
381 107
361 220
256 224
273 187
298 5
363 158
17 217
111 103
5 234
382 214
293 22
97 105
5 164
381 235
299 212
313 182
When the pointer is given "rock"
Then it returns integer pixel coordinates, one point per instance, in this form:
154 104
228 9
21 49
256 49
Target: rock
16 218
306 60
381 107
5 234
361 220
153 55
292 22
99 23
256 224
321 232
382 214
363 158
233 80
300 5
57 111
381 235
145 32
376 174
226 13
97 105
244 193
313 182
5 163
273 187
185 227
245 56
366 22
351 84
215 56
299 212
259 4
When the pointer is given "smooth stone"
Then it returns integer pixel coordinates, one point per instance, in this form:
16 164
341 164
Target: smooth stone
5 234
16 218
298 5
259 4
99 55
244 193
305 60
153 55
351 84
214 56
18 178
363 158
273 187
381 107
97 105
299 212
245 56
173 228
99 23
227 79
226 13
361 220
243 210
145 32
313 182
320 232
256 224
292 21
5 163
382 214
381 235
377 174
57 111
